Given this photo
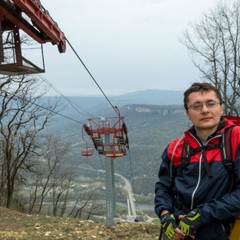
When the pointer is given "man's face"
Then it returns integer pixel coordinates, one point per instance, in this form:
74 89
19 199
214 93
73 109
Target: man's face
204 110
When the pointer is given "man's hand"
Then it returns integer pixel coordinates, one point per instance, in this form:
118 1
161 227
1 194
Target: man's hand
191 222
168 224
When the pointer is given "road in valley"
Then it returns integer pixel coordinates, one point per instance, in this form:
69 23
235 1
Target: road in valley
130 199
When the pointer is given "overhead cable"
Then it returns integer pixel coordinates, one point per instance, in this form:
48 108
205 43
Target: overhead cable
57 113
91 75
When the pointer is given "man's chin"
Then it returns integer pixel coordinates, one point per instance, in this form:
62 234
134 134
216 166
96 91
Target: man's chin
207 126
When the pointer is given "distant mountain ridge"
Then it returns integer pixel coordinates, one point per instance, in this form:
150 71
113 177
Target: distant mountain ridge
151 96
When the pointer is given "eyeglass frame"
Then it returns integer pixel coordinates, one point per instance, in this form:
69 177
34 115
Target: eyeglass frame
200 107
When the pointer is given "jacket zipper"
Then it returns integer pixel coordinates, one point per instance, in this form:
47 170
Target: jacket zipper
200 167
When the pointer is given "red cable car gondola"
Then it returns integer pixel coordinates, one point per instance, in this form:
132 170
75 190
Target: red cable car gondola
86 150
33 19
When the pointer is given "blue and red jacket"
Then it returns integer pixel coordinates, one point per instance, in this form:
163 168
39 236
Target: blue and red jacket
213 196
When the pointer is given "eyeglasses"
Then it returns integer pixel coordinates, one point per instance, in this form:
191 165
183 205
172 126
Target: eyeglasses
198 106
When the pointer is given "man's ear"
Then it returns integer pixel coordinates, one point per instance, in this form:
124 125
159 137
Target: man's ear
221 110
186 112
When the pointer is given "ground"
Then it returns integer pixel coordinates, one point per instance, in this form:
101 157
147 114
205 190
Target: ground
15 225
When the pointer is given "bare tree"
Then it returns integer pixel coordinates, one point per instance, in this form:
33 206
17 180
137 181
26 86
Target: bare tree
214 45
85 203
23 116
55 183
62 185
54 178
35 186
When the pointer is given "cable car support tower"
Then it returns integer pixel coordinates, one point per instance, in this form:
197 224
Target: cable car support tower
109 136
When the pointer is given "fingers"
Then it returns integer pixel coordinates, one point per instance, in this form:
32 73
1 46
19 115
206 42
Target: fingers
180 217
178 234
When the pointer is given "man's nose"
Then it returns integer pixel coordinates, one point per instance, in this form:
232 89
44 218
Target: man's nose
204 107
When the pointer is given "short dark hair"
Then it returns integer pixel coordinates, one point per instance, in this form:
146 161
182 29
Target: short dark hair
201 87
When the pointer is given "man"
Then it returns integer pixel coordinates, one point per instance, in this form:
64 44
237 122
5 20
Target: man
198 199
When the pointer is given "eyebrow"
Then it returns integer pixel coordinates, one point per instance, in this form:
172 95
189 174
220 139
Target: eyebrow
205 101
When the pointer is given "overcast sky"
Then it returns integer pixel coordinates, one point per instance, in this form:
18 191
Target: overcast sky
127 45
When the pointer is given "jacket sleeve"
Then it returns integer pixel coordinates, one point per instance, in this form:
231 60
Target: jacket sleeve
226 206
163 188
